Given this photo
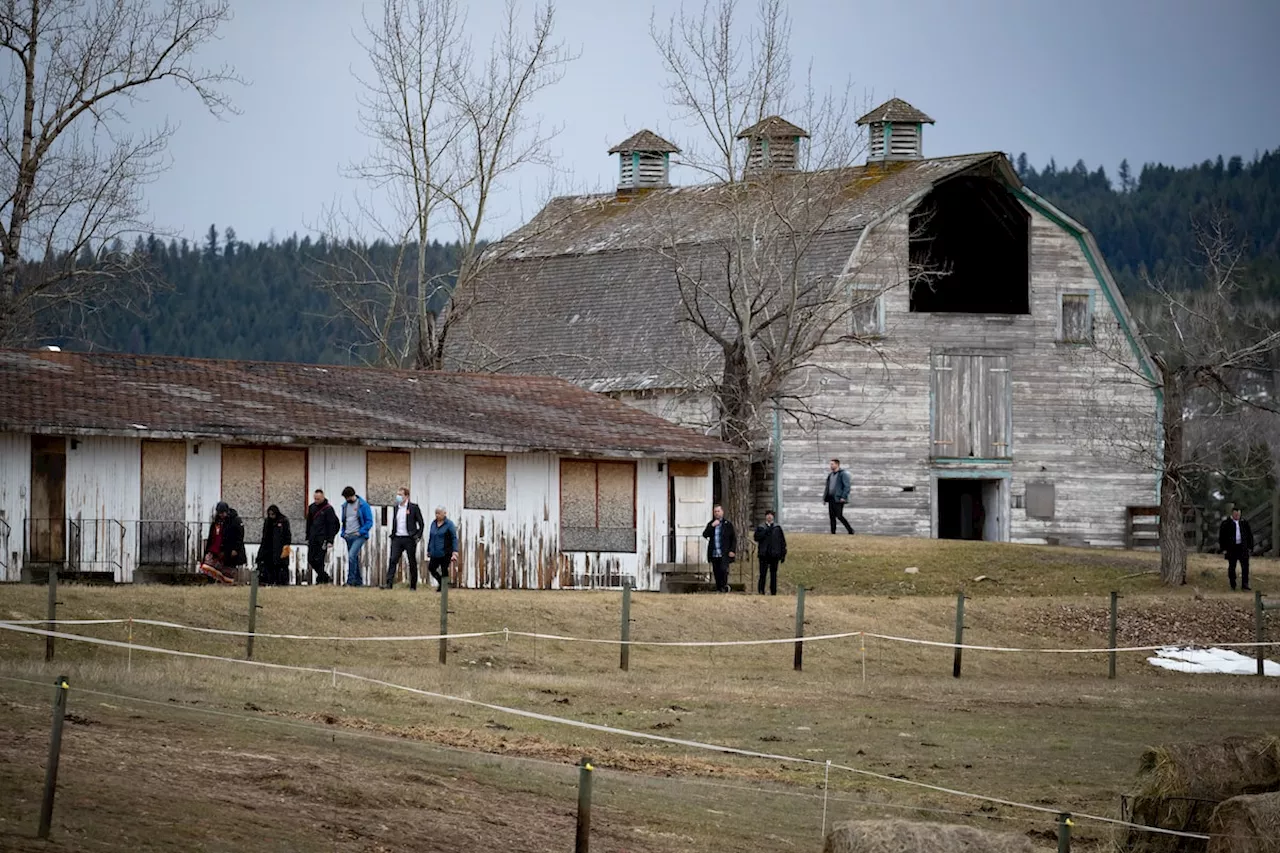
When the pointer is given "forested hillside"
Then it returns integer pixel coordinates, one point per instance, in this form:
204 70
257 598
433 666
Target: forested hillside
229 299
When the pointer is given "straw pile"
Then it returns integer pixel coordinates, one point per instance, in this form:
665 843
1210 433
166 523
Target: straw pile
1247 824
1181 784
896 836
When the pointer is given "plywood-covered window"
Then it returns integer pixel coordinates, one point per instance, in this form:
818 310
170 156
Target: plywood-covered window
486 482
163 537
385 472
1077 319
254 478
597 506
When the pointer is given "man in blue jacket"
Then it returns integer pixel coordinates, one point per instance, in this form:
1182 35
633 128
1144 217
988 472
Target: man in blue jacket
836 495
442 547
357 522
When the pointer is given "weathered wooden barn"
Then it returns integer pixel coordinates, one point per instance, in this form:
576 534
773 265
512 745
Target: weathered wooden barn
111 465
985 380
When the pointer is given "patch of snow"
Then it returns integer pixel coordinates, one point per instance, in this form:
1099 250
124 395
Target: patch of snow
1211 661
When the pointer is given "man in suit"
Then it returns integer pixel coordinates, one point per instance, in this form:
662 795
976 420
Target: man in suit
836 494
1235 538
406 532
772 549
722 546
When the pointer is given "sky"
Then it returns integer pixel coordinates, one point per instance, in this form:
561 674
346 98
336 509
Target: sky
1172 81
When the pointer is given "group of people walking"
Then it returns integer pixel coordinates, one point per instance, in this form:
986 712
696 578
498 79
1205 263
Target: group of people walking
352 521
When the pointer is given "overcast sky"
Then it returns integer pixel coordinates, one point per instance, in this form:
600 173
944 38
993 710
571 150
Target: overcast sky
1175 81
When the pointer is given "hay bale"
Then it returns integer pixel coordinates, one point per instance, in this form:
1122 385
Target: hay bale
1246 824
896 836
1181 784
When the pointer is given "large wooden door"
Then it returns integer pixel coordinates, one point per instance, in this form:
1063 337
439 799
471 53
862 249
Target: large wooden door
163 535
46 523
972 404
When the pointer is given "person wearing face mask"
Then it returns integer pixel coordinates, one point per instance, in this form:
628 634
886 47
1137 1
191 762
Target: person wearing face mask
406 532
357 522
273 552
224 546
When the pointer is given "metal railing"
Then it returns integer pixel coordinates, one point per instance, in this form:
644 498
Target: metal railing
76 544
689 552
170 544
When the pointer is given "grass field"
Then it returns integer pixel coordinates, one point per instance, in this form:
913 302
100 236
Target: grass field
203 755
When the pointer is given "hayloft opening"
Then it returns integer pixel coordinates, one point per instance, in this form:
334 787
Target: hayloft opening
970 250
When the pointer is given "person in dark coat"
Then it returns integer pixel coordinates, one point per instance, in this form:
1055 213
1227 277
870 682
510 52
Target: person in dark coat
1235 538
322 529
224 546
273 563
722 546
771 548
407 526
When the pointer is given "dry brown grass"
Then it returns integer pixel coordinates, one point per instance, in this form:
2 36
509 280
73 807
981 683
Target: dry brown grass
897 836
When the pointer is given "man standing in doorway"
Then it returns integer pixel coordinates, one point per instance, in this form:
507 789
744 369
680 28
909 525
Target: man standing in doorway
442 547
406 533
772 550
322 529
357 522
722 546
836 495
1235 538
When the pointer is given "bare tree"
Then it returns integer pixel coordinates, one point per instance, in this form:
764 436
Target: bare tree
72 173
449 127
760 294
1213 350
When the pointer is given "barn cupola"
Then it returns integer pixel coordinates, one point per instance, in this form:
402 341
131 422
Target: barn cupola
894 132
773 145
644 161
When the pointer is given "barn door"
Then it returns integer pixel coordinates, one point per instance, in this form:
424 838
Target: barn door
971 406
47 531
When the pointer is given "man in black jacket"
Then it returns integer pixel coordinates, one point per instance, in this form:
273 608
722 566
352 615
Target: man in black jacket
322 529
406 532
771 549
1235 538
722 546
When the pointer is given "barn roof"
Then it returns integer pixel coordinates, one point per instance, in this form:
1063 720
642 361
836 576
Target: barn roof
586 290
167 397
645 140
896 109
771 128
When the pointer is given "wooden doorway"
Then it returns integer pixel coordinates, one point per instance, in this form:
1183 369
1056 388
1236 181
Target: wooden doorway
47 520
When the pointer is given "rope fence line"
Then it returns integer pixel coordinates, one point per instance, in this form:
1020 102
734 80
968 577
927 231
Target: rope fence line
508 633
612 730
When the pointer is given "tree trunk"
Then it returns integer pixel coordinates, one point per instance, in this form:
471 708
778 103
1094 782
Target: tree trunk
739 429
1173 542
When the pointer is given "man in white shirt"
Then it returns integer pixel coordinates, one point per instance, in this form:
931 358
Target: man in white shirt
1235 538
406 532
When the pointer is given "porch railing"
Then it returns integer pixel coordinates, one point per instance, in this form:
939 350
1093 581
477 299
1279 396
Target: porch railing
170 544
76 544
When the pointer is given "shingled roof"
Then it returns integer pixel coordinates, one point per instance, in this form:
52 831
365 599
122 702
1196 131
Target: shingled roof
166 397
645 140
772 128
587 291
896 109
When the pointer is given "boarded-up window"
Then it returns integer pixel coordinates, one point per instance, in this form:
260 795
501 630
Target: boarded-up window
163 538
486 482
1040 500
255 478
971 406
1077 322
597 506
864 314
385 471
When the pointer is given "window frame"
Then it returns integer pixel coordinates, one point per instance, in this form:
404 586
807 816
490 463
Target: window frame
877 310
466 479
297 523
635 497
1063 297
370 498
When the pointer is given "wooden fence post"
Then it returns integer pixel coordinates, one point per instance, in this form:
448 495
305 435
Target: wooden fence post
253 614
799 658
625 654
1111 641
582 841
444 618
1064 832
55 751
51 612
955 665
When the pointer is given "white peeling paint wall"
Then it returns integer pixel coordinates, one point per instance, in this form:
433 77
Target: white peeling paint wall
15 486
104 497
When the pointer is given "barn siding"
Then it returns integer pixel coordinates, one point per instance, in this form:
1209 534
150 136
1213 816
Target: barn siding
1059 421
104 494
15 486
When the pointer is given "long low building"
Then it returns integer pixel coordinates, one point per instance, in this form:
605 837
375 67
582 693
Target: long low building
111 466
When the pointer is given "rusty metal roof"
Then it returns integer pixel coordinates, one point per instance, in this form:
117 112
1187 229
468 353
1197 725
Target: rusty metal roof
587 290
772 128
896 109
168 397
645 140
